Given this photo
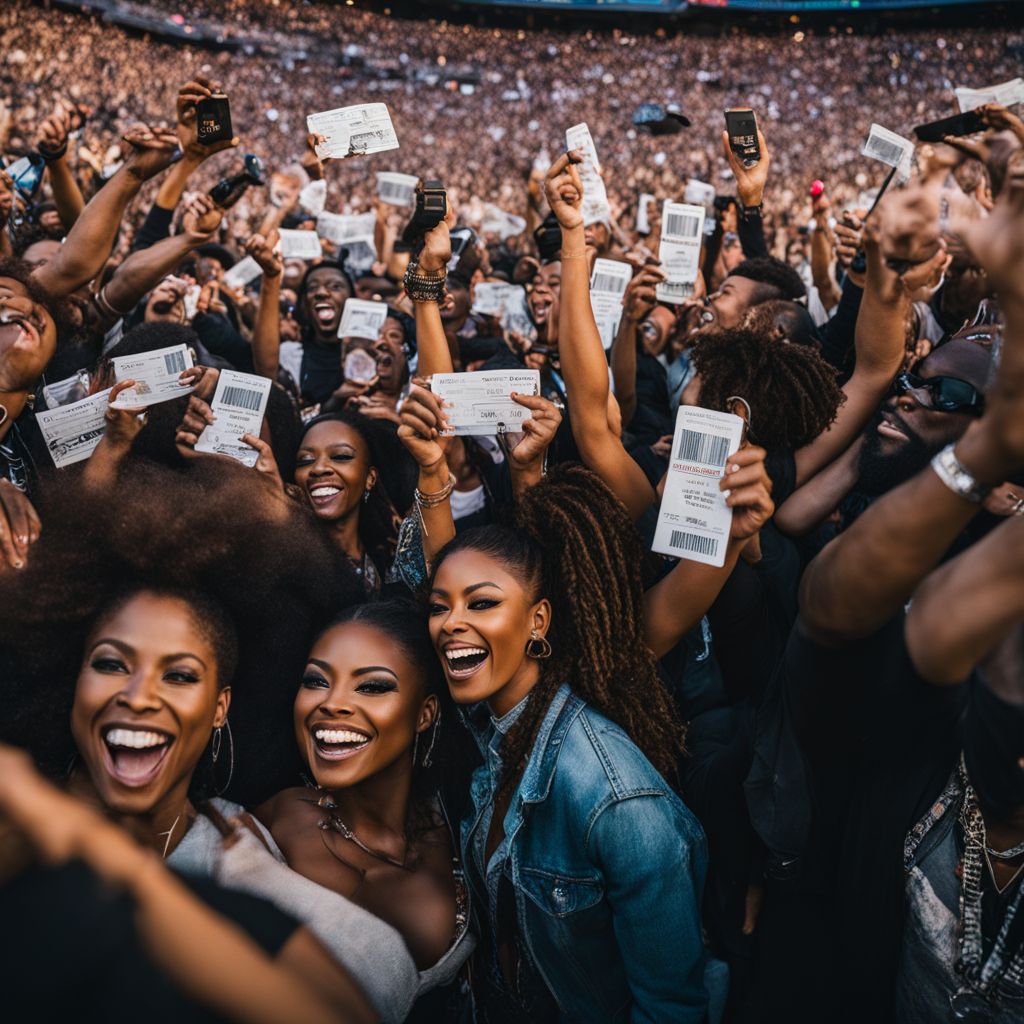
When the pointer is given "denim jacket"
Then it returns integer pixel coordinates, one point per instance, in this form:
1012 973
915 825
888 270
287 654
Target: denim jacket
607 866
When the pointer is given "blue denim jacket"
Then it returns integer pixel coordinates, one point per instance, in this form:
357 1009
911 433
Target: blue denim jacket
607 866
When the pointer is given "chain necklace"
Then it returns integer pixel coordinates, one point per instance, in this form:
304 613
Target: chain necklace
984 985
332 823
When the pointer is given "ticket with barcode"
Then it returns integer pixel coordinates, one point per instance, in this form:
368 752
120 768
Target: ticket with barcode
694 520
239 404
396 189
607 286
682 227
342 228
595 197
72 432
353 131
479 402
362 319
890 149
300 245
156 375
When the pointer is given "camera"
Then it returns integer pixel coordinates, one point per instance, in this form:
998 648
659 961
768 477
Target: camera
228 191
431 209
213 120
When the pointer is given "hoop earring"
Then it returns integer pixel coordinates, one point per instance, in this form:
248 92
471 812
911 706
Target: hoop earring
215 753
433 739
538 647
746 405
3 409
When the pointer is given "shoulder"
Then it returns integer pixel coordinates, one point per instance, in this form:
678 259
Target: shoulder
279 807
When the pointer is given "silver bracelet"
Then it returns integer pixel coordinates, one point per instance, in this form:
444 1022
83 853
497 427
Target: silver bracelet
952 472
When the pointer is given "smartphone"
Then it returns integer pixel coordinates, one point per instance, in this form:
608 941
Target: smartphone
213 120
742 128
957 125
27 174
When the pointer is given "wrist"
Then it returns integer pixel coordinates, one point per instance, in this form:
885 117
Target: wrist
433 475
981 452
751 200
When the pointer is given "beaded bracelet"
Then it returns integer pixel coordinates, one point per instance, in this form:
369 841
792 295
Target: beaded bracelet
424 286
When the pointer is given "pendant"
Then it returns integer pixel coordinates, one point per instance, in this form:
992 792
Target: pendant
969 1007
327 802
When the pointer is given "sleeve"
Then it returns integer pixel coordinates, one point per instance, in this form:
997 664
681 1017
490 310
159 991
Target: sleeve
750 228
653 856
155 227
220 338
838 334
370 949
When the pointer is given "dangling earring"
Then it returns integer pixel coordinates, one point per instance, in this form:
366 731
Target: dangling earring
538 647
366 495
415 749
215 753
433 739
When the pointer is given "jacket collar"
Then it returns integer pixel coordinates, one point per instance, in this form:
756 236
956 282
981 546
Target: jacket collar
540 769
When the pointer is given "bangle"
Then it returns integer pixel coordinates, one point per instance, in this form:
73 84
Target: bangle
435 498
424 286
102 303
580 254
958 478
746 212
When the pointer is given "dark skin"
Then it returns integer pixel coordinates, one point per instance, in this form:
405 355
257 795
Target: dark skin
326 292
359 683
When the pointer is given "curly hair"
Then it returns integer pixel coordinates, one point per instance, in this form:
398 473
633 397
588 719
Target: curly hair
573 543
778 280
61 309
269 571
391 495
791 390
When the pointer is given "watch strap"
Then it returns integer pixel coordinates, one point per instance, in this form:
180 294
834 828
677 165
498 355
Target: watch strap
955 475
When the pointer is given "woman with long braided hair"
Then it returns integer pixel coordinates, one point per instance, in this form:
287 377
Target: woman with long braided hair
585 867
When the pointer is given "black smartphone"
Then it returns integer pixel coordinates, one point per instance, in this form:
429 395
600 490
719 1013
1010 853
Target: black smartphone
228 191
213 120
742 128
431 209
957 125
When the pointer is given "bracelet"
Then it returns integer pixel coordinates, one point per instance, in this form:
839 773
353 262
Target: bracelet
102 303
52 155
580 254
958 478
746 212
435 498
424 286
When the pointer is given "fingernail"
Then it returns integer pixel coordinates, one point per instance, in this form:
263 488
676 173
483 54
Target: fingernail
18 564
734 468
725 494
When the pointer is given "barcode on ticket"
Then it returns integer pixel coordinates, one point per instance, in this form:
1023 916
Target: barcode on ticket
393 190
608 283
682 541
705 449
364 140
242 398
683 225
887 152
174 362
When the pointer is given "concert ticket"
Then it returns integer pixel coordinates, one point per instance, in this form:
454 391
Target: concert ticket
353 131
156 375
479 402
239 404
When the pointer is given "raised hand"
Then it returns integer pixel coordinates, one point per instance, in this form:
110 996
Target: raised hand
198 416
189 95
640 298
422 427
123 419
52 138
437 244
150 150
202 218
750 181
564 191
262 251
538 431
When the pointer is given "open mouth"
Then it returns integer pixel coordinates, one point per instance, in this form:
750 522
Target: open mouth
540 310
16 328
325 313
134 755
384 362
338 744
462 662
888 429
323 494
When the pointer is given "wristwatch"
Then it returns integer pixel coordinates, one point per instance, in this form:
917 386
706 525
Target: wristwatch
952 472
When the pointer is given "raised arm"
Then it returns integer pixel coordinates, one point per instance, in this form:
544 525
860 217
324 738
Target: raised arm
434 354
90 241
266 335
637 303
821 253
581 352
52 143
862 579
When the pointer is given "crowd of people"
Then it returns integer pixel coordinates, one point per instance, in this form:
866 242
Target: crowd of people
324 700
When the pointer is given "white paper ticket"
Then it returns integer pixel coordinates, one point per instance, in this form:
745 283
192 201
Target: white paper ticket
694 520
699 193
595 196
1007 94
396 189
682 226
301 245
479 402
313 197
497 221
362 319
64 392
343 228
607 286
355 130
890 149
155 374
72 432
506 302
239 404
242 273
643 225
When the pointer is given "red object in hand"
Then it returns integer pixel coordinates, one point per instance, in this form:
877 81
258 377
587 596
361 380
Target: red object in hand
817 187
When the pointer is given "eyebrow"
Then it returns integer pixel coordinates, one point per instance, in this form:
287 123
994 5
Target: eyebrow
325 665
468 590
374 668
128 649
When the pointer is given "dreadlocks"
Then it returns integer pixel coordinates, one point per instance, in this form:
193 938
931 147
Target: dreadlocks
791 390
573 543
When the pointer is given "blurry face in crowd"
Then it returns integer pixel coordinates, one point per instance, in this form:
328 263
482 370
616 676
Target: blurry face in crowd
359 707
391 362
166 303
655 330
42 252
147 699
481 616
598 236
326 293
333 469
369 287
732 253
904 435
795 254
456 307
731 301
542 300
28 337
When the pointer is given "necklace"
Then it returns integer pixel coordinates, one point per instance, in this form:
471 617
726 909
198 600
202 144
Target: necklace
332 823
169 833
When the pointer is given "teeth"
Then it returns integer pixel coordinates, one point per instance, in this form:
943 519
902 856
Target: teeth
463 652
324 492
340 736
136 739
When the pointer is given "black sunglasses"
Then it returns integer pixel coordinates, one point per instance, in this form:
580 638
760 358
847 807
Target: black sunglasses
943 394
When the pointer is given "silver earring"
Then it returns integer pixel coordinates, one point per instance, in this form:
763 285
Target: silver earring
415 749
433 739
366 495
215 746
231 754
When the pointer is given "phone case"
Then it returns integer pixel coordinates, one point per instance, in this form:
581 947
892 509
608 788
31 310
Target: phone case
742 128
213 120
957 125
